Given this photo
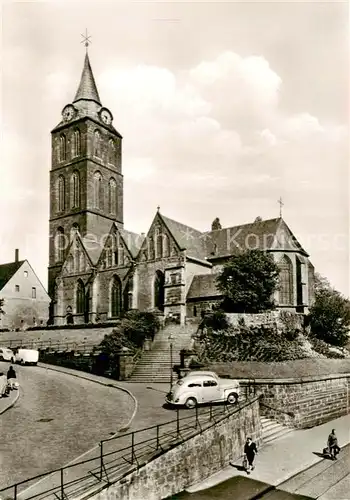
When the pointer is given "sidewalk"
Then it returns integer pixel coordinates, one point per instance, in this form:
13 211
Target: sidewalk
280 460
6 403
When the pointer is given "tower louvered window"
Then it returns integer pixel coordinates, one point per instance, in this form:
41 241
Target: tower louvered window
61 193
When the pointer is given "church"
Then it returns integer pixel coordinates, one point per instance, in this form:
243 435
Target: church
98 269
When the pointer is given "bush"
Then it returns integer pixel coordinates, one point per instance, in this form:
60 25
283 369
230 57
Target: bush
132 330
216 320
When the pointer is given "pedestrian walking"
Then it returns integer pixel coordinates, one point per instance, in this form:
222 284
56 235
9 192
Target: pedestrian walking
250 450
332 443
11 377
3 385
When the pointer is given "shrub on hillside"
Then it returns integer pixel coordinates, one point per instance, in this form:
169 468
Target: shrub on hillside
215 320
240 343
131 332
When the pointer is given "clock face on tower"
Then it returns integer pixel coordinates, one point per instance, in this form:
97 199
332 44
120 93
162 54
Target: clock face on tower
106 116
68 113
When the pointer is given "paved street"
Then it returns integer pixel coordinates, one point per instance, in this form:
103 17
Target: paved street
56 418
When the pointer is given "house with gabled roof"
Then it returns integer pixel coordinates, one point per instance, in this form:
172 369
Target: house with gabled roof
98 269
26 302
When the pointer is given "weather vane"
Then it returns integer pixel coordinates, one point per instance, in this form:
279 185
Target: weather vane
86 39
281 204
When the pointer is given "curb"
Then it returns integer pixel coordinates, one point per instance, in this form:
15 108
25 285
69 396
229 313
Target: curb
10 403
81 375
116 386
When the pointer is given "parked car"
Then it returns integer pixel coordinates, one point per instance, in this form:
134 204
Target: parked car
6 354
25 356
203 387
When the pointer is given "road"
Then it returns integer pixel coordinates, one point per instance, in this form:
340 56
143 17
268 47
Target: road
56 418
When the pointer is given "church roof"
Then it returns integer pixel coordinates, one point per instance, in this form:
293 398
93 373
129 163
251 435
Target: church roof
203 285
187 238
132 240
7 271
87 89
271 234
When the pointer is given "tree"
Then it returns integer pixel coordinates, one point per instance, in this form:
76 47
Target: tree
248 282
2 306
330 314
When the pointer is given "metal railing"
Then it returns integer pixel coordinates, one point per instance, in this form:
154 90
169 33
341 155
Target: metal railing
118 456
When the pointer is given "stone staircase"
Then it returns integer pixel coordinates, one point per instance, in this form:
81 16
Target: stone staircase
155 365
272 430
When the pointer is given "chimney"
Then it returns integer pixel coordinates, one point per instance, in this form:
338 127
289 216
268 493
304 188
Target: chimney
16 255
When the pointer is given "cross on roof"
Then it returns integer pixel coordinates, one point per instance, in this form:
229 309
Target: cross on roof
86 39
281 204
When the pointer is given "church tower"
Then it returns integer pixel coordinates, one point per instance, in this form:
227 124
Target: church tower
86 181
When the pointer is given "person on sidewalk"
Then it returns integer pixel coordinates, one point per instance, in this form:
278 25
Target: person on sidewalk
332 444
250 450
3 385
11 378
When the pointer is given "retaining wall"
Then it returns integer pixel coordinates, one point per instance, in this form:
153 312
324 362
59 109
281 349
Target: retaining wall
304 403
191 461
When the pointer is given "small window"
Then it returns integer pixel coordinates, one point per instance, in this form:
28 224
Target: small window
17 288
209 383
25 274
195 384
33 292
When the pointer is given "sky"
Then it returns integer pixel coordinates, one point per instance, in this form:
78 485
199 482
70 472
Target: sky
223 108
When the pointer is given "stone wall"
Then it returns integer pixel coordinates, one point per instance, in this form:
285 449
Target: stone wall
191 461
280 319
304 403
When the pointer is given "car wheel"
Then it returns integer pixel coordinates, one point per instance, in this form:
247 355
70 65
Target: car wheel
232 398
191 403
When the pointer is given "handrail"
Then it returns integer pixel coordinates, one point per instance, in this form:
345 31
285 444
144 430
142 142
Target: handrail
289 413
136 450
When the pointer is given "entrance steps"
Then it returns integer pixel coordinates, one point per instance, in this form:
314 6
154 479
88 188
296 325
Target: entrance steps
272 430
155 365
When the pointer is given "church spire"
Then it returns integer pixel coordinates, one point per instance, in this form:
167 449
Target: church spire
87 89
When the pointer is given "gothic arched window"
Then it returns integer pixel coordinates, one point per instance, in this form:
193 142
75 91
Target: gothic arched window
97 144
286 281
111 152
61 188
77 143
80 297
59 244
63 147
150 248
112 197
74 229
75 190
166 246
159 245
98 193
115 297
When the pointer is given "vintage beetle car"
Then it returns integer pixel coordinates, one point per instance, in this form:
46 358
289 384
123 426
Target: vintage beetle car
203 387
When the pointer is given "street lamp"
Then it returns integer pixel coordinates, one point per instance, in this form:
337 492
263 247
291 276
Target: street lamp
171 338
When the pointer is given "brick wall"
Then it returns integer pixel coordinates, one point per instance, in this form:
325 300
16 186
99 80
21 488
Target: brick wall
194 460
